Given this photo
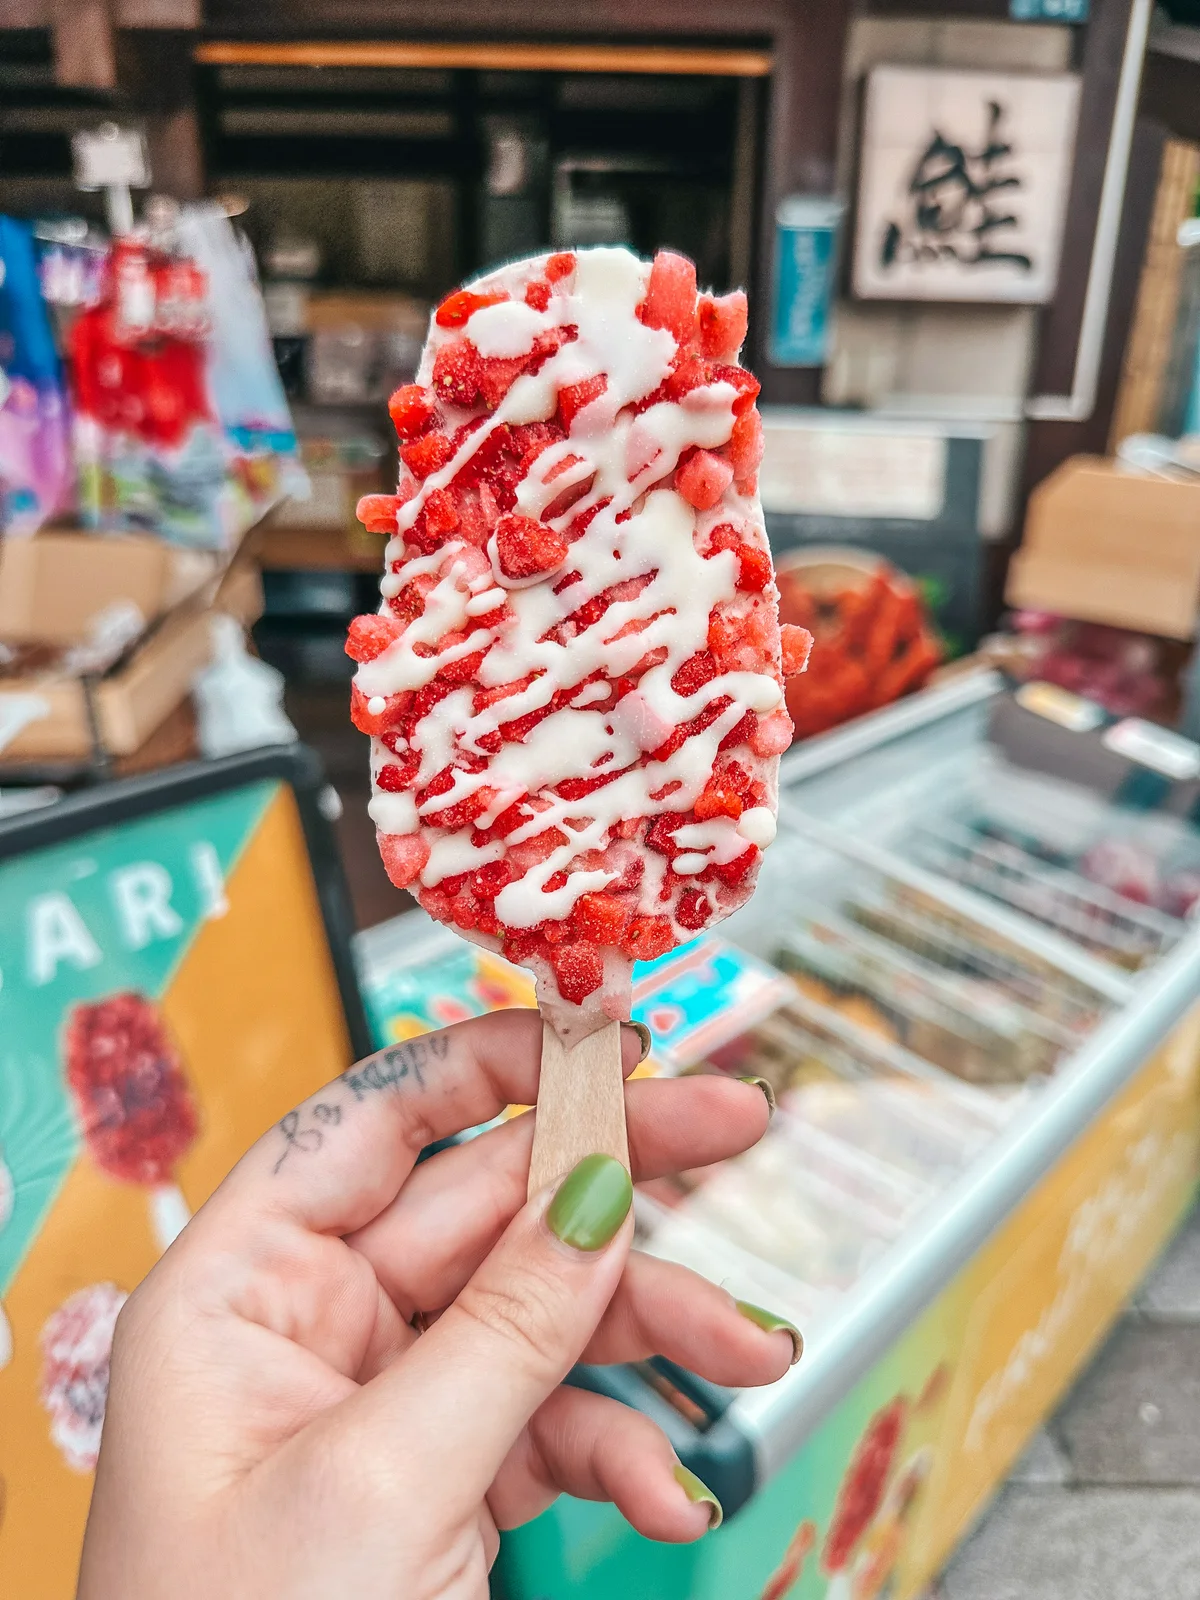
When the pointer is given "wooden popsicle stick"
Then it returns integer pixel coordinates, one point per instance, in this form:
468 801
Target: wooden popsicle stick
580 1104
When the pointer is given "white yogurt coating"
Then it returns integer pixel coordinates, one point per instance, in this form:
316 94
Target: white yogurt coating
642 531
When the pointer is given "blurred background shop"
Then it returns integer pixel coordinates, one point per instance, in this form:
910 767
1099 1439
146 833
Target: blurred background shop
970 232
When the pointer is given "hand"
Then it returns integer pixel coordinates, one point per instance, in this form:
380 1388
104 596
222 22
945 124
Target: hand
277 1427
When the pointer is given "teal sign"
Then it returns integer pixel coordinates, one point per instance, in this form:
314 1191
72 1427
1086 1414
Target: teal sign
1048 10
113 910
806 250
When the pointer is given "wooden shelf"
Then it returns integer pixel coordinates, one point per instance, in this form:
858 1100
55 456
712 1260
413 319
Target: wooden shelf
668 60
333 548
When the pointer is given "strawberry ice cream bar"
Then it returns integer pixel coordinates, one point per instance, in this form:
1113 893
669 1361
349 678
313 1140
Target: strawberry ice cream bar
574 684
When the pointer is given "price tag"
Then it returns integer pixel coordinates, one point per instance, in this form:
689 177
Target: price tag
109 157
1154 747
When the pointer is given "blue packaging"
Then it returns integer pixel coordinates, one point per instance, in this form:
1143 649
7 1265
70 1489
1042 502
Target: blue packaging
807 229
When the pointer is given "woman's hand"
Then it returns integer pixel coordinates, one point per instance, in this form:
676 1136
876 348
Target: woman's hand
276 1425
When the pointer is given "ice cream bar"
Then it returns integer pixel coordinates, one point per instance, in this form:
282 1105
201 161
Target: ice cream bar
574 683
76 1343
134 1104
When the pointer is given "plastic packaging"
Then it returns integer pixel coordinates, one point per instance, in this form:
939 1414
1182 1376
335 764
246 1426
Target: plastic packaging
239 699
36 473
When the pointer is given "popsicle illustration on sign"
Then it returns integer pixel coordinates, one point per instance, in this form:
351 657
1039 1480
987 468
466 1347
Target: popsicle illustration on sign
574 683
134 1103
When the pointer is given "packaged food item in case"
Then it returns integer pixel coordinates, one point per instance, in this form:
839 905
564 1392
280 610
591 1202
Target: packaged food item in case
812 1226
872 638
415 977
574 684
972 1030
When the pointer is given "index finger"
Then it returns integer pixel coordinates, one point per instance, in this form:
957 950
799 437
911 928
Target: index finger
335 1161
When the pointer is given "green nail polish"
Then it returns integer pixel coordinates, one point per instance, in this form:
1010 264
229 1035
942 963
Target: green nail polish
699 1493
591 1204
770 1323
761 1083
643 1033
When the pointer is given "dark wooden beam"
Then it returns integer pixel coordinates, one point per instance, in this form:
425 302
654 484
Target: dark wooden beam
1062 321
1050 443
85 53
1171 92
800 156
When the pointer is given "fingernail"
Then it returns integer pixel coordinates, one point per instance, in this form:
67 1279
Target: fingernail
591 1204
770 1323
761 1083
643 1033
699 1493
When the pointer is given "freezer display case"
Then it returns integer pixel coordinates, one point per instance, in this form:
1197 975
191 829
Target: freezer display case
971 974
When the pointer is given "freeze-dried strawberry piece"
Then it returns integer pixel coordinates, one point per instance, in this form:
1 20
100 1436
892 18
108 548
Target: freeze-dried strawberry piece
741 733
525 547
671 295
689 373
532 852
746 444
462 812
573 397
693 910
721 325
497 376
730 642
430 453
457 308
537 295
600 918
457 369
370 636
632 875
440 515
529 439
795 645
773 734
395 707
660 835
579 969
410 602
399 775
412 410
754 569
746 384
377 512
560 266
731 873
703 479
717 801
754 565
695 672
648 938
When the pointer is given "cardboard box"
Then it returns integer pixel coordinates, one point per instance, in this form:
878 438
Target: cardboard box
52 587
1105 545
119 711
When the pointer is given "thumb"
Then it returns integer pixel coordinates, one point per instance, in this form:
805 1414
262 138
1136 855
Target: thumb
462 1394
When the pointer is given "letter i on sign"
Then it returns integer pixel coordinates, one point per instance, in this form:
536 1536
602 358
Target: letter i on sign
210 880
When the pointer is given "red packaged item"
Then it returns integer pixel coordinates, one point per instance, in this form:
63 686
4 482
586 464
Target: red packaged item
872 642
574 685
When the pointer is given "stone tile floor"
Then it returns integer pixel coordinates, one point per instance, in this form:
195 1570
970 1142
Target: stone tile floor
1105 1503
